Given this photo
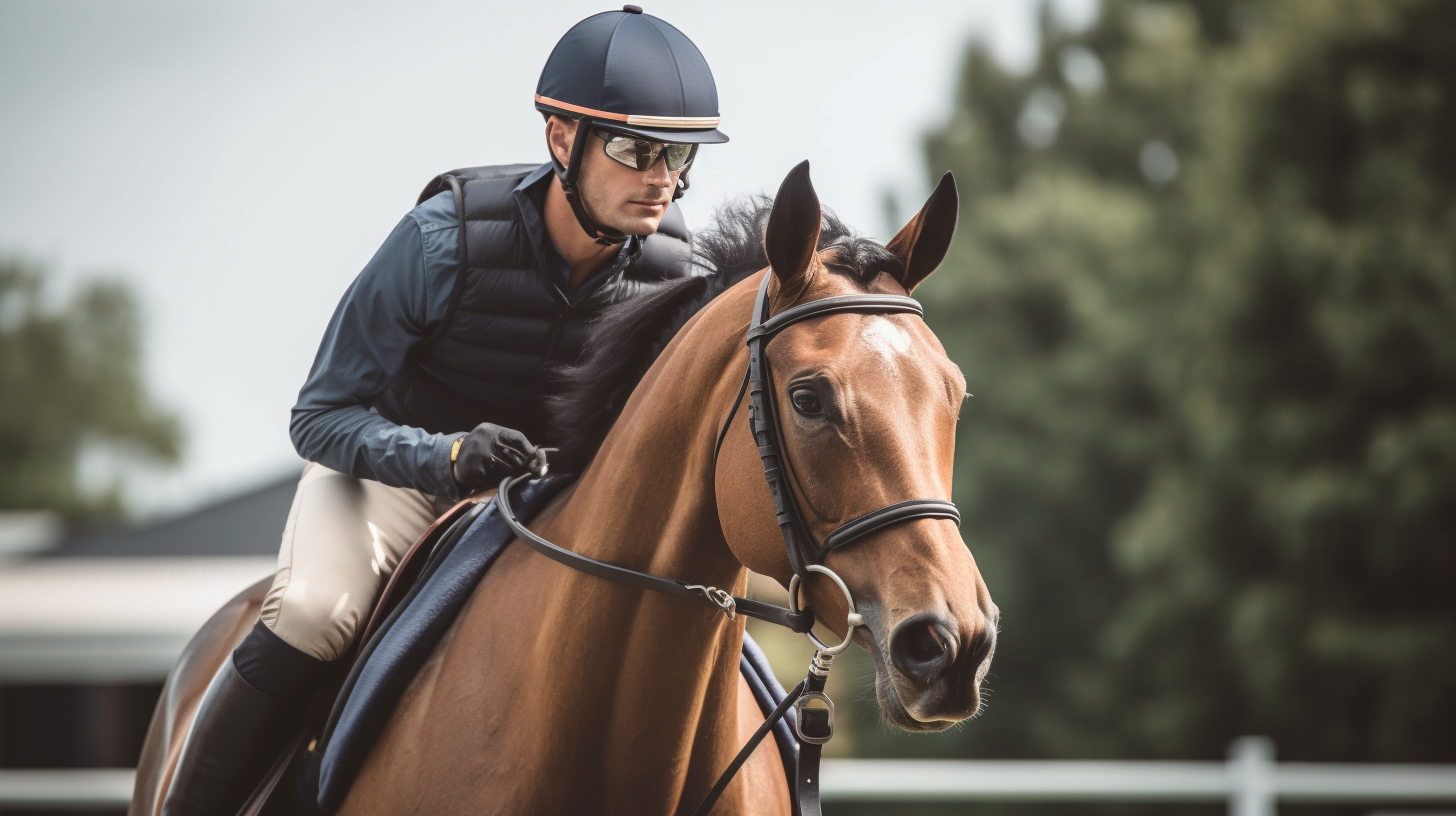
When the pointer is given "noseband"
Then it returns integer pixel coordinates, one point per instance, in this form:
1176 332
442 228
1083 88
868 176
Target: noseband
814 726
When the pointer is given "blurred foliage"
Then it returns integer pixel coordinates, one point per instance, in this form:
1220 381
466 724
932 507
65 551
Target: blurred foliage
70 388
1204 291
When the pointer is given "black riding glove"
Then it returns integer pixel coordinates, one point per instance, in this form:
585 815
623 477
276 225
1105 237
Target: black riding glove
490 453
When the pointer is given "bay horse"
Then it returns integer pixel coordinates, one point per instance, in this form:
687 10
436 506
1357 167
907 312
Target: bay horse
556 691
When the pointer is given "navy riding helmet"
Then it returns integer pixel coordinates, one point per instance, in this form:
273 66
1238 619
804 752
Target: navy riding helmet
631 73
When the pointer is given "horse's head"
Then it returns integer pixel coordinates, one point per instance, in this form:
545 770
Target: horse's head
867 406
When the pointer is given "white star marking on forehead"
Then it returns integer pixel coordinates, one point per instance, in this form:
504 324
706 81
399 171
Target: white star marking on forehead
887 339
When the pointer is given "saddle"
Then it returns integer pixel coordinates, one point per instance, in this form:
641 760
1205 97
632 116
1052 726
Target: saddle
426 592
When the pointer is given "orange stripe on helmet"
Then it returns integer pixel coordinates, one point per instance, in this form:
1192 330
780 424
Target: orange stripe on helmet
684 122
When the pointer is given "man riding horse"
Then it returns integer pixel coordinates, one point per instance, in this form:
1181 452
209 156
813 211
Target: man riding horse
429 382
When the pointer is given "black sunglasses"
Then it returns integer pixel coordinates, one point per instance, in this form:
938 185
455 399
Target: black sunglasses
641 154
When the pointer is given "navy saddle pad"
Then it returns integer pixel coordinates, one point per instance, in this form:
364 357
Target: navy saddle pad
389 661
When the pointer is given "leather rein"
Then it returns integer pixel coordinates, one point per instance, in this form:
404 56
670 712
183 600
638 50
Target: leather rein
813 726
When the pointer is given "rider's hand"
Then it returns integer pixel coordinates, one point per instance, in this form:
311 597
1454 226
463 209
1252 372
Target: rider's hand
490 453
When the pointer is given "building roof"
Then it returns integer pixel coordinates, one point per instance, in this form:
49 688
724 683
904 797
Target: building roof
117 604
98 620
248 524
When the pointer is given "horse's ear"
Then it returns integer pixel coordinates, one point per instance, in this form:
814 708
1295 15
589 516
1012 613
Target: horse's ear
921 244
792 235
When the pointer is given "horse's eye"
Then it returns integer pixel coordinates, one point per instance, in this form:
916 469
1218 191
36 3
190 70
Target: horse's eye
806 402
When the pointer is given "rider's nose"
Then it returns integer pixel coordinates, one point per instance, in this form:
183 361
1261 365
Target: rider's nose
923 646
657 175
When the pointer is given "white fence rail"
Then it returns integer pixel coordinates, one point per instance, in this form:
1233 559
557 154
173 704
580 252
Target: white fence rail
1250 782
58 790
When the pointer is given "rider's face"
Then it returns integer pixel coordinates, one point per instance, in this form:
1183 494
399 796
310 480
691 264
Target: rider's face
626 199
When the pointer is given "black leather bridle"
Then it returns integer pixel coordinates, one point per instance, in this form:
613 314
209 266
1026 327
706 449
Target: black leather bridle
814 726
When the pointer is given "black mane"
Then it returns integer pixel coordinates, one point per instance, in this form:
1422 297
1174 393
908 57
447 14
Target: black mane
629 336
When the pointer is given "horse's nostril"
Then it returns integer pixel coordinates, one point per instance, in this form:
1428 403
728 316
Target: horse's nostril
920 649
925 648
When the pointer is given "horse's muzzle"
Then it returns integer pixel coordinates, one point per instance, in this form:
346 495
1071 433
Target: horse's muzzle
935 665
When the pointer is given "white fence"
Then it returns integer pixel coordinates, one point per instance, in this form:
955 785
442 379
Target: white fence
1251 782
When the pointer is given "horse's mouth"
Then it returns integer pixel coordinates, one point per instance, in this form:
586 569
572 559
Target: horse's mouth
896 714
894 709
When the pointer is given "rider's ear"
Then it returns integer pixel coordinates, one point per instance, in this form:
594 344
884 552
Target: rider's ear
793 231
921 244
560 134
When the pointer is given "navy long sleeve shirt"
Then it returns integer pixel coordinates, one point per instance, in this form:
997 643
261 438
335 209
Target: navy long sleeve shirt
399 297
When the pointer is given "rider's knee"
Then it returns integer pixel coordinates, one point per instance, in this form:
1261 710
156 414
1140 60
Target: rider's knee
318 616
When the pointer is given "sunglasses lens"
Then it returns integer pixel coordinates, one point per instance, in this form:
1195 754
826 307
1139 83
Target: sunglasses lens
625 150
678 155
641 154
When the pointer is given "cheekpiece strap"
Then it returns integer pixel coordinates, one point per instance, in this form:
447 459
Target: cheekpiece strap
763 423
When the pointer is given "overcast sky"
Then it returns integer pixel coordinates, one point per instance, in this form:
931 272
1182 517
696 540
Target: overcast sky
237 163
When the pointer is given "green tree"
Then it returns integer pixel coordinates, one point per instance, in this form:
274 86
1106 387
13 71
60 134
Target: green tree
69 385
1205 294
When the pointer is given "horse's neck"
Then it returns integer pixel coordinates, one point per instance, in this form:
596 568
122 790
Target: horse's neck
647 503
634 689
647 500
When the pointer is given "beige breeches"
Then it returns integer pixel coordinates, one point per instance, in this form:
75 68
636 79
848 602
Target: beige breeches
343 539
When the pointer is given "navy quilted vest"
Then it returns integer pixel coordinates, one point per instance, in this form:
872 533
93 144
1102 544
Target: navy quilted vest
509 319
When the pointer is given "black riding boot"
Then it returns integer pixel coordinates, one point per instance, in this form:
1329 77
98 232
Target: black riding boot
241 723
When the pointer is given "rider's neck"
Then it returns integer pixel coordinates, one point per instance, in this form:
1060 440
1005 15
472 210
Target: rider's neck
583 255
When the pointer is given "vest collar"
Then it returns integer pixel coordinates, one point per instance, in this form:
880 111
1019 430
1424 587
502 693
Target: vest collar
530 198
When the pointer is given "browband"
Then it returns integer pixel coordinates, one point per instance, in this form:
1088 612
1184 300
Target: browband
863 304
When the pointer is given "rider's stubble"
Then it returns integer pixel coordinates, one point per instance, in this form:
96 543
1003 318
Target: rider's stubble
625 199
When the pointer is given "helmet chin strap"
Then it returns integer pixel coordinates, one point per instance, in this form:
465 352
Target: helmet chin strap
682 183
602 234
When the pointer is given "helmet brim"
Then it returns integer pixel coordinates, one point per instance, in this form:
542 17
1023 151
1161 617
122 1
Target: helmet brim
670 135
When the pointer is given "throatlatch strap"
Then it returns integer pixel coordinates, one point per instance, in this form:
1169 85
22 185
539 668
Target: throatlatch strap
732 412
